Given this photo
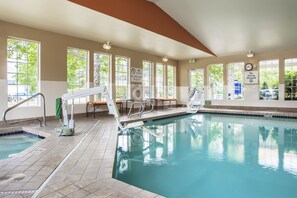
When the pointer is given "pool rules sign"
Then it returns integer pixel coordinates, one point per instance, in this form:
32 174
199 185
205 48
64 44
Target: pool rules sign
251 78
136 75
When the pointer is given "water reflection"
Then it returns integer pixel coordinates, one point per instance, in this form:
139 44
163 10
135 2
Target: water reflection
290 150
263 143
268 147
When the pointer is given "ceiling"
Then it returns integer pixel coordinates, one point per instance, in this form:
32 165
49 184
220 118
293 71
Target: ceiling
231 27
226 27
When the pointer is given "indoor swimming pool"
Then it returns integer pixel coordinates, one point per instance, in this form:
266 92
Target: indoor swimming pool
13 143
211 155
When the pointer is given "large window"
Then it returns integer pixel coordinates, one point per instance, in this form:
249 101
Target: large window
235 81
170 81
196 79
101 72
159 80
269 79
121 74
147 75
215 82
22 70
291 79
77 64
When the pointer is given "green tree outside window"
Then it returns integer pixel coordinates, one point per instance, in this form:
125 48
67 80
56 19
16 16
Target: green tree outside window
22 70
215 81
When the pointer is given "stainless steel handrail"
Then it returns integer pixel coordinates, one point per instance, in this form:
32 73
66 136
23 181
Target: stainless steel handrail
141 108
13 107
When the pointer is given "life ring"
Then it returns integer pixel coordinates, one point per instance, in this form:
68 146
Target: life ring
137 93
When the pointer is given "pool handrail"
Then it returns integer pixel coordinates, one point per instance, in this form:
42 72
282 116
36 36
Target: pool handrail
42 123
141 108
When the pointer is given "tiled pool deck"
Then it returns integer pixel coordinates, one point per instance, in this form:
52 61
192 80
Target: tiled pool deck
88 170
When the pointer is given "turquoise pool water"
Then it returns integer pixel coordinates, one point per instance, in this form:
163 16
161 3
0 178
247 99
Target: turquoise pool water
12 144
211 156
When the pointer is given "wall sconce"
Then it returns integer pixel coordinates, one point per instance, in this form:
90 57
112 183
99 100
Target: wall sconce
165 59
250 54
107 45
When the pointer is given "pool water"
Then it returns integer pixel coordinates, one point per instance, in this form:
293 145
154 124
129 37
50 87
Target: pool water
208 155
12 144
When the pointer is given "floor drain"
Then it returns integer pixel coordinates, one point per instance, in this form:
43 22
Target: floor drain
11 178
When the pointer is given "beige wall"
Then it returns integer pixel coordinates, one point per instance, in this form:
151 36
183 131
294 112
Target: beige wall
54 50
53 60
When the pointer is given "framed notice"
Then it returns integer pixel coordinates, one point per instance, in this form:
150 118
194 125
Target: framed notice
251 77
136 75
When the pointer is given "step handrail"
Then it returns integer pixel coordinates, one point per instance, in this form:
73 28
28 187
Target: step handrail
22 102
141 108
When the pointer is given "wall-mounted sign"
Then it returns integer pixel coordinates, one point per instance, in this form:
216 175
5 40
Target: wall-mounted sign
251 77
136 74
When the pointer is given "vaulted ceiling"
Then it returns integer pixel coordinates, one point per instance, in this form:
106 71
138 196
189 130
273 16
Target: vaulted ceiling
224 27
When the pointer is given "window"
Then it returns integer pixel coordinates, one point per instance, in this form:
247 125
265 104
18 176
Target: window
77 64
159 80
197 79
215 82
170 81
101 72
121 73
290 79
269 79
147 75
22 71
235 80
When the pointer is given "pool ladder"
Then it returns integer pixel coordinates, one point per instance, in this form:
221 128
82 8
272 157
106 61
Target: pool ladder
42 123
141 108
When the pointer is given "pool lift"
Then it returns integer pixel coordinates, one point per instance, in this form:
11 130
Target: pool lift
69 125
194 101
194 126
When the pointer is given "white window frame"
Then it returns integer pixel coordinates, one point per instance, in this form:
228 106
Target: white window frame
174 81
150 79
191 73
160 85
232 88
210 94
290 84
268 94
126 95
17 96
87 58
97 74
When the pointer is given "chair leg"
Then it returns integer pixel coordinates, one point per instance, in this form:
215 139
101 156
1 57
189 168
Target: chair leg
87 112
94 110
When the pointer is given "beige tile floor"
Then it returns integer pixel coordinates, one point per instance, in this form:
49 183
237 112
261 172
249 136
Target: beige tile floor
88 170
